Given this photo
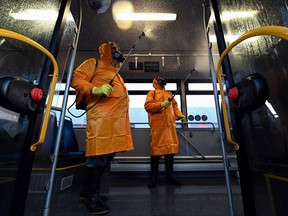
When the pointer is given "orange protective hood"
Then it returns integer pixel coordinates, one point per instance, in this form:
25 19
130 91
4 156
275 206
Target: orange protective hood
156 85
105 52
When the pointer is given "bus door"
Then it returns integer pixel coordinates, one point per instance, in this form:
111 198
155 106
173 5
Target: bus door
28 76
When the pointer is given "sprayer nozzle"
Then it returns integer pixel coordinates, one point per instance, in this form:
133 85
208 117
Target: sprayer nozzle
142 34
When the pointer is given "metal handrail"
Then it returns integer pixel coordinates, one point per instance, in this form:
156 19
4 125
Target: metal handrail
279 31
17 36
183 123
184 137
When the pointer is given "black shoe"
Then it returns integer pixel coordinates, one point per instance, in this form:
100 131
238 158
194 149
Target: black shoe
98 208
153 183
173 181
104 198
84 199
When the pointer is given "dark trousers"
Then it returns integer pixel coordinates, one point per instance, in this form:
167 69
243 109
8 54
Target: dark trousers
154 162
169 169
96 166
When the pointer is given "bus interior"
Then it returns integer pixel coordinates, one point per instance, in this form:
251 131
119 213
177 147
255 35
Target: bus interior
224 61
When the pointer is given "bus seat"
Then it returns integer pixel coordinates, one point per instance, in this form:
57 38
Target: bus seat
70 165
44 151
69 144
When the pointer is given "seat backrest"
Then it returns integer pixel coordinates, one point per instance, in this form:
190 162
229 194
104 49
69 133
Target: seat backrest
69 141
45 150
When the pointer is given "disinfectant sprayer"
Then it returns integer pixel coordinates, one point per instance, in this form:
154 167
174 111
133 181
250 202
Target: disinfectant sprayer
170 99
133 47
111 81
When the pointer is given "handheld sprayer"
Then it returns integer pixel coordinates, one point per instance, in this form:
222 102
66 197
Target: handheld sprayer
170 99
111 81
133 47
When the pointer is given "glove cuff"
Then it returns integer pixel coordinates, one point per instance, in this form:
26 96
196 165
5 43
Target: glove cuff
96 91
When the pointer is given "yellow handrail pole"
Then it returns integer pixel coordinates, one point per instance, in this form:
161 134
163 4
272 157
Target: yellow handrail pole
279 31
17 36
279 178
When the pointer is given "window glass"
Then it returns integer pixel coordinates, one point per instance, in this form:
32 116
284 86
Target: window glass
201 86
201 112
148 86
138 115
77 121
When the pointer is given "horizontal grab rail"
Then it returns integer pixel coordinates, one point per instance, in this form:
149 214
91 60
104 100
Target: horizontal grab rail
180 123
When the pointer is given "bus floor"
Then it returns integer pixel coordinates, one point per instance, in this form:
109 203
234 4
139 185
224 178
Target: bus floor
202 194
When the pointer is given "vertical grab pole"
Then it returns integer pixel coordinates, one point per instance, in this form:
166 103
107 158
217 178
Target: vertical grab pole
46 208
225 160
215 92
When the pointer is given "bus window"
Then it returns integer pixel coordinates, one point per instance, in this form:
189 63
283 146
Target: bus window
201 111
138 115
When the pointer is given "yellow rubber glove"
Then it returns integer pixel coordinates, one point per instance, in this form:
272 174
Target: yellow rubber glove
181 117
105 89
165 104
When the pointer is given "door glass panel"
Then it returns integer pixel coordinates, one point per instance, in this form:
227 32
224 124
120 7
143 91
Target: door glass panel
21 60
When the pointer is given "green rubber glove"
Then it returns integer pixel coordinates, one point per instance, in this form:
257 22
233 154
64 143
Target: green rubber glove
165 104
181 117
105 89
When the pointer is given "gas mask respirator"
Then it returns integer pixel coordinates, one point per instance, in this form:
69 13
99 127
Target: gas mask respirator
161 81
118 56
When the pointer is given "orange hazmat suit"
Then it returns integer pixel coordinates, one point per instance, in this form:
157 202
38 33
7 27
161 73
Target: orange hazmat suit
108 125
163 134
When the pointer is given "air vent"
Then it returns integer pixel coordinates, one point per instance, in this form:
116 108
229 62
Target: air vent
133 67
151 67
66 182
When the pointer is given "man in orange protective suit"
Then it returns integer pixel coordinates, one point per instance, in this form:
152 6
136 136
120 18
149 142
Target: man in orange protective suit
108 126
162 114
